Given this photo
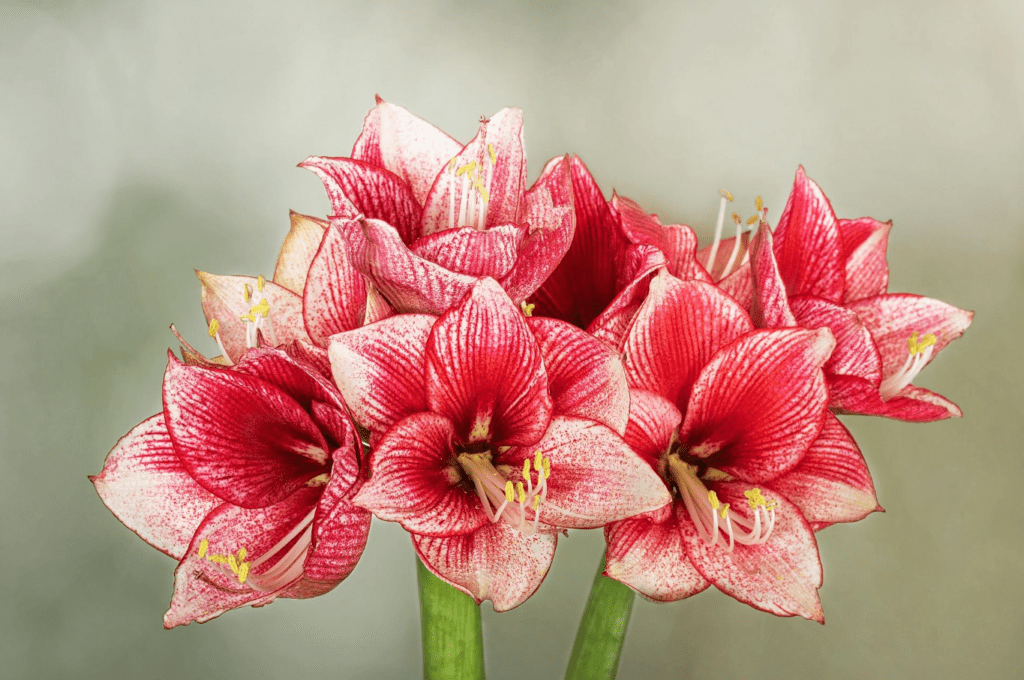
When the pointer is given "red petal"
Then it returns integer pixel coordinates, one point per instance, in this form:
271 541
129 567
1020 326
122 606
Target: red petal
832 483
379 369
416 481
495 562
740 286
807 243
503 180
146 487
864 242
676 332
760 403
769 306
611 325
476 253
676 241
595 477
585 376
723 255
300 245
241 438
786 569
484 370
855 352
334 299
653 421
913 404
360 189
340 530
410 147
648 556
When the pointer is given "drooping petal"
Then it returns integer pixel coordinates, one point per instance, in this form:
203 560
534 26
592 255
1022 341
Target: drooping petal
595 477
769 307
340 530
808 247
469 251
379 369
407 145
241 438
334 299
677 242
147 488
585 377
675 333
484 370
864 242
360 189
781 576
300 245
653 421
853 395
855 352
760 403
648 556
415 481
831 483
488 174
495 562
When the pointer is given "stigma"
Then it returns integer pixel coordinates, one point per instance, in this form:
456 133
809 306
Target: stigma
920 353
475 178
517 500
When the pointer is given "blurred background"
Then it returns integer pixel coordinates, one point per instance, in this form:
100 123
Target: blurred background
141 139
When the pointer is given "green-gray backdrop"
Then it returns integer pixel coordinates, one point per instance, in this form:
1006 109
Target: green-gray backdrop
141 139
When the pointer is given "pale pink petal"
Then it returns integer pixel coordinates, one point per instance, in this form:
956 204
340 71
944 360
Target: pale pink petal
300 245
469 251
855 352
334 299
769 306
864 242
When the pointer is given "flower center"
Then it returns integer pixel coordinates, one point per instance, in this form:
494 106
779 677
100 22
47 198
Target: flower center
920 353
756 218
714 522
503 499
472 210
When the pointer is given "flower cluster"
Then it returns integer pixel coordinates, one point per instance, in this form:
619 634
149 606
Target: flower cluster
490 364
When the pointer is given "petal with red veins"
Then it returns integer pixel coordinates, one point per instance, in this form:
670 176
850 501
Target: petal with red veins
334 299
808 247
297 378
379 369
377 308
892 319
585 376
641 264
241 438
147 488
676 332
340 530
781 576
410 147
300 245
416 481
857 396
760 403
864 242
357 188
224 299
495 562
484 370
831 483
739 285
595 477
653 421
769 307
313 355
488 174
477 253
648 556
676 241
855 352
715 269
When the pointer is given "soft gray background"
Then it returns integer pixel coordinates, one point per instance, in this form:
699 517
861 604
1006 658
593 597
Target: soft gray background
140 140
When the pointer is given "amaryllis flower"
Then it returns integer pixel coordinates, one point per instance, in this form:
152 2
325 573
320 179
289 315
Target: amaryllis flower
734 420
491 431
821 271
425 217
246 479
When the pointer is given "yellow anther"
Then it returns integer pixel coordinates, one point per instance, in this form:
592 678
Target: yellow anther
759 204
771 504
536 503
713 497
260 282
468 167
233 563
242 552
509 492
736 218
754 498
527 308
214 327
916 346
481 189
526 469
538 461
247 292
204 545
217 559
725 194
547 468
725 510
243 572
451 163
494 156
752 220
520 492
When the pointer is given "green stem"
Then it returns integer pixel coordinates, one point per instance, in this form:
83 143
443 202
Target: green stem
595 654
453 641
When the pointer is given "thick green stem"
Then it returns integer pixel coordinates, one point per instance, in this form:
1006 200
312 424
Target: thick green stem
595 654
453 641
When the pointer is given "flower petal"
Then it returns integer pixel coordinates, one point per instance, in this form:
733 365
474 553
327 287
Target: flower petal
676 332
760 403
653 421
416 482
300 245
595 477
484 370
495 562
147 488
340 531
864 242
807 243
469 251
769 307
677 242
241 438
379 369
585 376
410 147
648 556
360 189
855 352
857 396
611 325
334 299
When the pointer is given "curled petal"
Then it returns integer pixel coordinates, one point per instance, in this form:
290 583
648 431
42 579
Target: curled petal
677 242
300 245
855 352
469 251
853 395
864 242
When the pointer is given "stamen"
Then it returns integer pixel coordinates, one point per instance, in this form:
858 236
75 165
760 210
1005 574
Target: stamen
920 353
495 491
735 247
726 198
527 308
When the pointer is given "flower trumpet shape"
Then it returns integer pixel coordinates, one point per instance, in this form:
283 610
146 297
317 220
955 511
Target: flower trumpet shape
425 217
246 479
734 421
491 431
